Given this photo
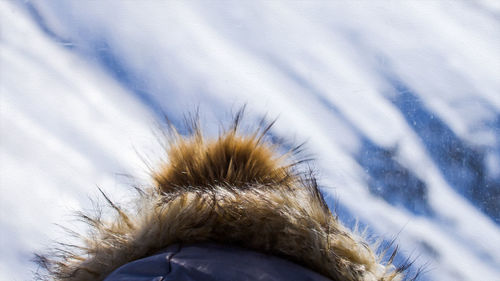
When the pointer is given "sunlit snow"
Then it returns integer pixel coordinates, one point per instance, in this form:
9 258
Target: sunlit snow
399 102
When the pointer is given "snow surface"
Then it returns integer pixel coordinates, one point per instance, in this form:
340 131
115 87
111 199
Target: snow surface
399 103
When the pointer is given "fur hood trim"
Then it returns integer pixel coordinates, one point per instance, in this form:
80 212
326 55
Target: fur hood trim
236 190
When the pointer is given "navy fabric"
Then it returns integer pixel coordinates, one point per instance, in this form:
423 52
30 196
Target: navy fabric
212 262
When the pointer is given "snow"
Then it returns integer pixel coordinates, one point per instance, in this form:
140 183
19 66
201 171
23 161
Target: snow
82 83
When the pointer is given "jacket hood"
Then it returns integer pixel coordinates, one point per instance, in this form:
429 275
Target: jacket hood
235 189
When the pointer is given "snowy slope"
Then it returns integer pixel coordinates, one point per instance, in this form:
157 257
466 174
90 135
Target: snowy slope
399 103
66 127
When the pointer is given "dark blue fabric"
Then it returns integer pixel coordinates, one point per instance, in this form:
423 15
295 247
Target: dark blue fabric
212 262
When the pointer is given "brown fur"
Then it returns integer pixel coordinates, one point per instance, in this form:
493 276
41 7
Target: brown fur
235 189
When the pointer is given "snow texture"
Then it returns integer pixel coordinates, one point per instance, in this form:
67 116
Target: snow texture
399 102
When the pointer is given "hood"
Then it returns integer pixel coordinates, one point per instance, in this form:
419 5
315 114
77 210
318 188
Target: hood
238 189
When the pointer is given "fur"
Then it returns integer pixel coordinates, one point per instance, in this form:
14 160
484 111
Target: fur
236 189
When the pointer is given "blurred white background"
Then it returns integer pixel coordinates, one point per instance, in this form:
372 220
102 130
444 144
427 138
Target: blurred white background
399 102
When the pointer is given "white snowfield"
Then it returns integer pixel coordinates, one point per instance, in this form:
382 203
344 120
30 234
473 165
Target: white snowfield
81 83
